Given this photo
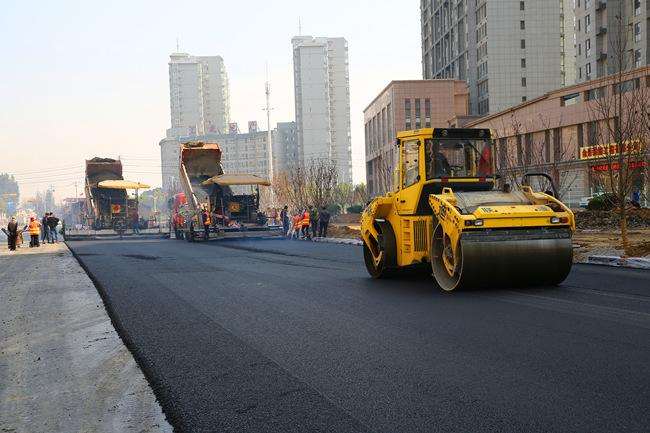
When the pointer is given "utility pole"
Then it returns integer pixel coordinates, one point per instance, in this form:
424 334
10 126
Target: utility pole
269 137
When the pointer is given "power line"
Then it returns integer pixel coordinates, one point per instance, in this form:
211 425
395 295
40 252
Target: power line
46 170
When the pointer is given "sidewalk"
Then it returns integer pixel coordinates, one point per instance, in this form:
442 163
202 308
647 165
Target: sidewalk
63 367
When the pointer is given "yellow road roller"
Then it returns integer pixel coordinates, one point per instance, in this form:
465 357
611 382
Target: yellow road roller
451 212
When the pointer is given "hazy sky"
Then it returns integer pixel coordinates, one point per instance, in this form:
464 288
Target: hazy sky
90 78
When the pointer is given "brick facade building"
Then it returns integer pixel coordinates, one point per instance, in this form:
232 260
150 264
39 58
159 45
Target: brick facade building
404 105
557 133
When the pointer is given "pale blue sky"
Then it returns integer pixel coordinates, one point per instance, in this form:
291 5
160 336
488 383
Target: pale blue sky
87 78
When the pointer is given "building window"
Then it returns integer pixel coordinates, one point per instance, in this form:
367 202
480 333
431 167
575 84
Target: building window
592 131
637 32
547 145
581 136
637 7
580 72
427 113
587 23
557 146
418 123
587 47
522 43
522 6
522 25
588 70
637 58
523 99
579 49
523 63
407 113
503 153
570 99
528 156
579 28
523 81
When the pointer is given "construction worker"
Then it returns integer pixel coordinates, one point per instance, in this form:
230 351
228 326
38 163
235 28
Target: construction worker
34 228
207 222
323 222
12 234
305 224
296 226
45 229
313 217
284 216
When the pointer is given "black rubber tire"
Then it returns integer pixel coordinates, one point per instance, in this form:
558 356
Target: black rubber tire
388 264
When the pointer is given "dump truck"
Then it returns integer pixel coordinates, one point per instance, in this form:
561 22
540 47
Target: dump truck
206 188
451 213
107 208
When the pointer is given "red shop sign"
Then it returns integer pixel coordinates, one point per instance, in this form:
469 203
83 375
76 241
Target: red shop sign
632 165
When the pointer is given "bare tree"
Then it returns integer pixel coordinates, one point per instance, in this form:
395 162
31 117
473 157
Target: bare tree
361 195
314 185
384 169
344 195
619 128
322 178
291 187
525 148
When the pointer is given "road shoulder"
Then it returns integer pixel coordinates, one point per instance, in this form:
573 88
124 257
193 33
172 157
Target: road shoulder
62 365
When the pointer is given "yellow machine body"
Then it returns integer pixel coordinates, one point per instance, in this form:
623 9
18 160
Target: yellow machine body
445 211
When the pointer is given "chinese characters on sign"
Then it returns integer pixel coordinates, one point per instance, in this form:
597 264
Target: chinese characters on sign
604 150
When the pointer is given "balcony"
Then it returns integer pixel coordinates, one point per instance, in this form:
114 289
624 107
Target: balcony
601 5
602 31
602 56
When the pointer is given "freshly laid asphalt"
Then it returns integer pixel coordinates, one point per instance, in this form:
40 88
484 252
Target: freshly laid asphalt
293 336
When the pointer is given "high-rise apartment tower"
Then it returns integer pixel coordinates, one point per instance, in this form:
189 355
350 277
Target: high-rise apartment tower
198 94
508 51
322 98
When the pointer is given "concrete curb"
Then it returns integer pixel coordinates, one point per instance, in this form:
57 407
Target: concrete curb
345 241
629 262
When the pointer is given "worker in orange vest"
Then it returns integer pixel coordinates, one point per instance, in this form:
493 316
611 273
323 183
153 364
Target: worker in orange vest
296 226
207 222
305 224
34 229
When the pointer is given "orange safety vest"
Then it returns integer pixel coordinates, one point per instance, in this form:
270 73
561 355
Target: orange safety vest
208 220
34 227
305 219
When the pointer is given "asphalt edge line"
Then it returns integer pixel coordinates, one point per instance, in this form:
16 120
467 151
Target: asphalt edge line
156 387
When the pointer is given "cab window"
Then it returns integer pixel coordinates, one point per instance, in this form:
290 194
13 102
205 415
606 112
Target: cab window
410 163
457 158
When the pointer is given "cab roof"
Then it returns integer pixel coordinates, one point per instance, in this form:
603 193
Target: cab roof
466 133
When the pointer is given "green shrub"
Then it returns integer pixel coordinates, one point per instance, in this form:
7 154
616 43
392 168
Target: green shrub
334 209
355 208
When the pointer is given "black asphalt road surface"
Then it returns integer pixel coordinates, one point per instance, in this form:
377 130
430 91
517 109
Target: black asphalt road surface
292 336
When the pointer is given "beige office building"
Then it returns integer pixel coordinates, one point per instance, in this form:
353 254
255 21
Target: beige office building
404 105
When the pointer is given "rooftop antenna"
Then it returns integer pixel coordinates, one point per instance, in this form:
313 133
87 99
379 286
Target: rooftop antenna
299 27
178 50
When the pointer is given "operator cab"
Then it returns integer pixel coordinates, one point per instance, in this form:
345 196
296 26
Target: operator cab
433 159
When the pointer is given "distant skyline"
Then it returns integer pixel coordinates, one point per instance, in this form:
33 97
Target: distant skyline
83 79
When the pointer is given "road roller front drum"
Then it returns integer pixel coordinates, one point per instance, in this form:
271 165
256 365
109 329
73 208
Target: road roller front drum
502 258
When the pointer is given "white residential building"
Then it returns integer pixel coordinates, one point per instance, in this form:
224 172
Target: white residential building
199 96
609 34
322 99
508 51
